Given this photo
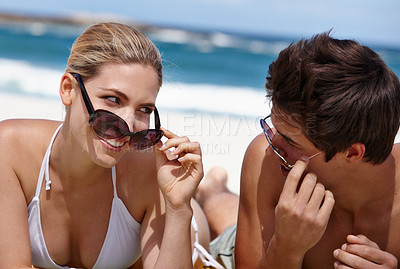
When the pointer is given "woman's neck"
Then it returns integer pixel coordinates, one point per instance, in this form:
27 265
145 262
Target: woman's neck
72 162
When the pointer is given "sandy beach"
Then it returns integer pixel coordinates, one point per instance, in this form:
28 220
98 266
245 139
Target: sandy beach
223 138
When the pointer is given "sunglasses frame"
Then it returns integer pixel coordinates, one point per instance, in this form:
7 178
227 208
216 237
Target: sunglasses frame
93 115
269 139
275 150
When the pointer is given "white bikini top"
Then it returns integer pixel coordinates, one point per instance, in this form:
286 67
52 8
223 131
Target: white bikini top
121 247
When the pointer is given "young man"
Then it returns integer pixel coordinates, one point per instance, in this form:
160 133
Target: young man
319 188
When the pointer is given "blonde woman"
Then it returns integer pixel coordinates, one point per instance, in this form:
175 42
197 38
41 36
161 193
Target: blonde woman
100 189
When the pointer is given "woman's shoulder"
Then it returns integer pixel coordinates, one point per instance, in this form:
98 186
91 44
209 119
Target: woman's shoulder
15 132
23 144
15 125
25 139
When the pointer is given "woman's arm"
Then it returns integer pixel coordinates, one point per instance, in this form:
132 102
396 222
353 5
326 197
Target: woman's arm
14 232
166 237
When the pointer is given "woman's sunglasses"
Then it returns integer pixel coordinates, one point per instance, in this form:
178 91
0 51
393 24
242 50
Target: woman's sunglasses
108 125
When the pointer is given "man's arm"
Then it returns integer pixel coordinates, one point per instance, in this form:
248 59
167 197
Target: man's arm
259 195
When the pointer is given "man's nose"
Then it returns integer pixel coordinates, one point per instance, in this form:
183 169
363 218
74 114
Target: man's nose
279 144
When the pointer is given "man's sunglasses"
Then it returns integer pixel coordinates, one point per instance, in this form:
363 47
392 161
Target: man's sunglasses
108 125
269 135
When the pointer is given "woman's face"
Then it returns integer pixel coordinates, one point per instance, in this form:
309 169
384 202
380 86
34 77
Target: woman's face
127 90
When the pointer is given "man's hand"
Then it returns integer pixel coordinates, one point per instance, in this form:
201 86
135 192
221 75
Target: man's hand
360 252
301 217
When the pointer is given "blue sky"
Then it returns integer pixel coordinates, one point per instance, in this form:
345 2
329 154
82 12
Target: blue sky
369 21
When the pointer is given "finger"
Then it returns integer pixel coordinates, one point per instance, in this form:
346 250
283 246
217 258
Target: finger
317 197
361 239
367 252
186 147
174 142
339 265
194 160
190 157
168 133
160 156
307 188
326 208
293 178
170 155
350 259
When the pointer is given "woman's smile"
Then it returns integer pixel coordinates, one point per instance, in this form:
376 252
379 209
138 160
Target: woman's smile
114 145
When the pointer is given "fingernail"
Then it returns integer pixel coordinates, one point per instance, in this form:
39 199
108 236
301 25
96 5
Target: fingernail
336 253
336 264
304 159
181 159
352 236
163 147
175 151
344 246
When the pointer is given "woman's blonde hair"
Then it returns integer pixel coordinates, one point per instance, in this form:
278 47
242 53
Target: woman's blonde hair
105 43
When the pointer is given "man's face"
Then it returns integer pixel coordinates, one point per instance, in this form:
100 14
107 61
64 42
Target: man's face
289 141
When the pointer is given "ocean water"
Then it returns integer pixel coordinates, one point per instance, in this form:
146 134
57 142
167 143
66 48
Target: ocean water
203 72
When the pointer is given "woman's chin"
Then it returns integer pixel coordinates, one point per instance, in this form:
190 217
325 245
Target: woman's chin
107 161
108 155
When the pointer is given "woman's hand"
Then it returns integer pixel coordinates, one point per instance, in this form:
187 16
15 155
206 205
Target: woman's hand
361 252
180 171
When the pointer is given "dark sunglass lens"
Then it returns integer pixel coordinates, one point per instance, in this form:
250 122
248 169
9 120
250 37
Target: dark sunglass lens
267 129
145 139
109 126
270 134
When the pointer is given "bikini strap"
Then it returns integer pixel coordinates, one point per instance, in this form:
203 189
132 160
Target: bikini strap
200 252
114 180
44 169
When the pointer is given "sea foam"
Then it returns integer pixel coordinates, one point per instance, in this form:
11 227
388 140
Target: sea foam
25 78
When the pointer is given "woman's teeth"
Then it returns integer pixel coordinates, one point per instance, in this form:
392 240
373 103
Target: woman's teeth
115 144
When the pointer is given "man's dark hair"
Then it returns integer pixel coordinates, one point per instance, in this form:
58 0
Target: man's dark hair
346 91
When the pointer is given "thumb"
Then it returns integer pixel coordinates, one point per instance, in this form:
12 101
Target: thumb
160 156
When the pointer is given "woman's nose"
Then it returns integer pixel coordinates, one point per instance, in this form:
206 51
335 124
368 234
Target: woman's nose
129 118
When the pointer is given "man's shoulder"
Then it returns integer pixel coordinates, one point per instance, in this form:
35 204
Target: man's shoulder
260 167
257 149
259 153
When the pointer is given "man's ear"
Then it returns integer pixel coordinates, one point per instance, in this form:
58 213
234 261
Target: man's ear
67 89
355 152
